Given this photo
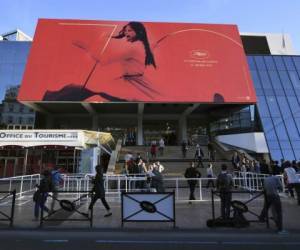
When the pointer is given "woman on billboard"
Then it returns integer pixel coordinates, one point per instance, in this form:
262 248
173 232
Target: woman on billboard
133 57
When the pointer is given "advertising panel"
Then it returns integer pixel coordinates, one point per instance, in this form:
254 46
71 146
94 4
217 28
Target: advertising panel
108 61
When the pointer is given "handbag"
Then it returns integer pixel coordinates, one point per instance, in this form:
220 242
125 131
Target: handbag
36 196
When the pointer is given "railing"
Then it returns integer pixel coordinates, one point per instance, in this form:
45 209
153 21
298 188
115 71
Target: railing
116 184
22 184
249 181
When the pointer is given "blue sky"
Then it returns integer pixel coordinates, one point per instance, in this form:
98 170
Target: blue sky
272 16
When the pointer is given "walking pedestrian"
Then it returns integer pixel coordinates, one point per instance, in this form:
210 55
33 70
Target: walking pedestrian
210 175
40 196
99 191
57 180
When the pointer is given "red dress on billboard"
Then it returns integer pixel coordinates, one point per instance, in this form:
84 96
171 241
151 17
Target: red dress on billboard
117 76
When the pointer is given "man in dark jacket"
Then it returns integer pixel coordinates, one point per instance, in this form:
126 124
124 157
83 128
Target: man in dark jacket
40 196
99 191
199 156
224 186
192 172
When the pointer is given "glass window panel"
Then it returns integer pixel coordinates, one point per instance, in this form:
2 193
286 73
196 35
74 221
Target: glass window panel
294 79
273 107
6 52
288 154
262 107
279 63
296 60
294 105
288 62
255 79
268 129
270 63
297 121
273 144
259 92
297 154
270 134
280 129
251 63
286 83
275 154
264 79
259 60
296 144
275 80
284 106
284 144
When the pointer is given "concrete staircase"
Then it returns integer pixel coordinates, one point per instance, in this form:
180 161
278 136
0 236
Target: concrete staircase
172 159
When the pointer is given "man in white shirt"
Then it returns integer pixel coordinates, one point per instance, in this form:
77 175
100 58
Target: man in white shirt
161 146
292 180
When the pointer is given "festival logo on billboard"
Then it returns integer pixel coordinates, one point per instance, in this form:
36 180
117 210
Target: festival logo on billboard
106 61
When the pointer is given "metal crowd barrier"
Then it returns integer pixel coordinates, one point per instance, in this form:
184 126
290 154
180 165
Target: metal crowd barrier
116 184
243 206
68 207
8 217
22 184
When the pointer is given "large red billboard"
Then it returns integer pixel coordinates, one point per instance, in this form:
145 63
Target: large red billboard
107 61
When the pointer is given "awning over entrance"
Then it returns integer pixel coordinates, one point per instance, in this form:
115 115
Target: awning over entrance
71 138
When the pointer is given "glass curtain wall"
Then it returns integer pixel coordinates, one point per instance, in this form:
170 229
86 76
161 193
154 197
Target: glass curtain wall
277 83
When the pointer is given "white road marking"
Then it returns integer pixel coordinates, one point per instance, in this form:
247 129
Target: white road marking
157 242
56 241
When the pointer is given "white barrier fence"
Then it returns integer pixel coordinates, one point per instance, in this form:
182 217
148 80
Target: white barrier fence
22 184
116 184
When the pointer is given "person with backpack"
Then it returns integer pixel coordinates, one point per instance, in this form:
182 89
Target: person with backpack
224 186
192 172
40 196
57 179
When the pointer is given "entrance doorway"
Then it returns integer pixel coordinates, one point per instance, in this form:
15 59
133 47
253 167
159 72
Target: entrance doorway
10 167
154 130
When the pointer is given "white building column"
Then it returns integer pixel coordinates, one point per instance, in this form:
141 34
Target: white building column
140 137
182 129
95 125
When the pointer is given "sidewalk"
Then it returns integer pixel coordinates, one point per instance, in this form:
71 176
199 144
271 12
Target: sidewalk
188 217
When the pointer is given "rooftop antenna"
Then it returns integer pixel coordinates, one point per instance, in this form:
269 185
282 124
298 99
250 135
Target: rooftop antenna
283 40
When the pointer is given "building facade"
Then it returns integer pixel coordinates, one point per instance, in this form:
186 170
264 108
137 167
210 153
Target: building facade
275 73
14 50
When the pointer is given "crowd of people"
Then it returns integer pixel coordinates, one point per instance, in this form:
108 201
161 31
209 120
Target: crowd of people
136 166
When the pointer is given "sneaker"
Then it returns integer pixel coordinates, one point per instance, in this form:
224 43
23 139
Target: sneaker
108 214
